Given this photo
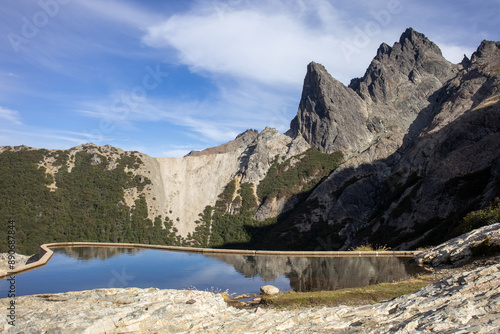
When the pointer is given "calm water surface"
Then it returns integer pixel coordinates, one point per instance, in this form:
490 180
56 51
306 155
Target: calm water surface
84 268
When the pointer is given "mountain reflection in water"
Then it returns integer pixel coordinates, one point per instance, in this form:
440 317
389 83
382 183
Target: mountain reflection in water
90 253
327 273
178 270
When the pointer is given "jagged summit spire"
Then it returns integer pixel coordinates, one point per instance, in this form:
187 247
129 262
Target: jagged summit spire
411 35
399 80
411 59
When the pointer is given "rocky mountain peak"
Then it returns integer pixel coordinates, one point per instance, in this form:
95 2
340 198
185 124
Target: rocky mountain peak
442 121
395 87
383 49
410 60
410 40
417 40
329 113
487 53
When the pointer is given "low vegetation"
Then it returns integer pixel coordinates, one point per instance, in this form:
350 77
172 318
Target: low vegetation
370 248
480 218
355 296
285 178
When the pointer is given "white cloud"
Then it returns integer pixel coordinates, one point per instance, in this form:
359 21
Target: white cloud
11 116
255 53
120 11
269 43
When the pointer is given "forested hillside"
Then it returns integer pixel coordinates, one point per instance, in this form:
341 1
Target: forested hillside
232 222
88 204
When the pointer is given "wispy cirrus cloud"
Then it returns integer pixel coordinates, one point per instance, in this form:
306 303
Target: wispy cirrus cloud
43 137
269 42
233 64
194 117
11 116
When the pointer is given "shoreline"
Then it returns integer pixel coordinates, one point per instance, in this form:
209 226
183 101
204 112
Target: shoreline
464 296
45 253
467 301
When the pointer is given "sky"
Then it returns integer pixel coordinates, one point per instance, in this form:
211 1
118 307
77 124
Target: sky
168 77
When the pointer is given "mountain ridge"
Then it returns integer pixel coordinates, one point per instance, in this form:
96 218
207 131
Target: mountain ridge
415 133
454 119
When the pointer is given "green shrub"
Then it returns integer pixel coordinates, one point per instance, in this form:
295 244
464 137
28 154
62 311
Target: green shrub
479 218
283 179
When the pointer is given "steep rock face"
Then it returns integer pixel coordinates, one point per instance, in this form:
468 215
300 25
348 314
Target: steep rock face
330 114
413 61
453 166
369 119
432 170
182 187
259 155
186 185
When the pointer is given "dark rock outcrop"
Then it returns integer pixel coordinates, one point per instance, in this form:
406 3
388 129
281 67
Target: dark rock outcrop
433 156
330 114
413 61
377 109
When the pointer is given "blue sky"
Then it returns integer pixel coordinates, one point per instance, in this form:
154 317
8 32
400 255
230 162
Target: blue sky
167 77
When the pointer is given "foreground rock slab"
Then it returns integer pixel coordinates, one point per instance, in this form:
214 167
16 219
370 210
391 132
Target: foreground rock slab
468 303
458 250
4 262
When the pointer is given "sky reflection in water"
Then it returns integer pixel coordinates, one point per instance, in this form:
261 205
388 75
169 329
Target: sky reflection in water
84 268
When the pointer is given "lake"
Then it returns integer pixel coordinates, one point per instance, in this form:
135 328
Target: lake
85 268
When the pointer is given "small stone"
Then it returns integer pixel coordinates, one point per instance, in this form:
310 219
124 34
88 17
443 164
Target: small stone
191 301
269 290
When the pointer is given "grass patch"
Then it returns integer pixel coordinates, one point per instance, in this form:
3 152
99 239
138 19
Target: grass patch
356 296
371 248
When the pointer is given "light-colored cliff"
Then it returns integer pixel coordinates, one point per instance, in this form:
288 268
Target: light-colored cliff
181 188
